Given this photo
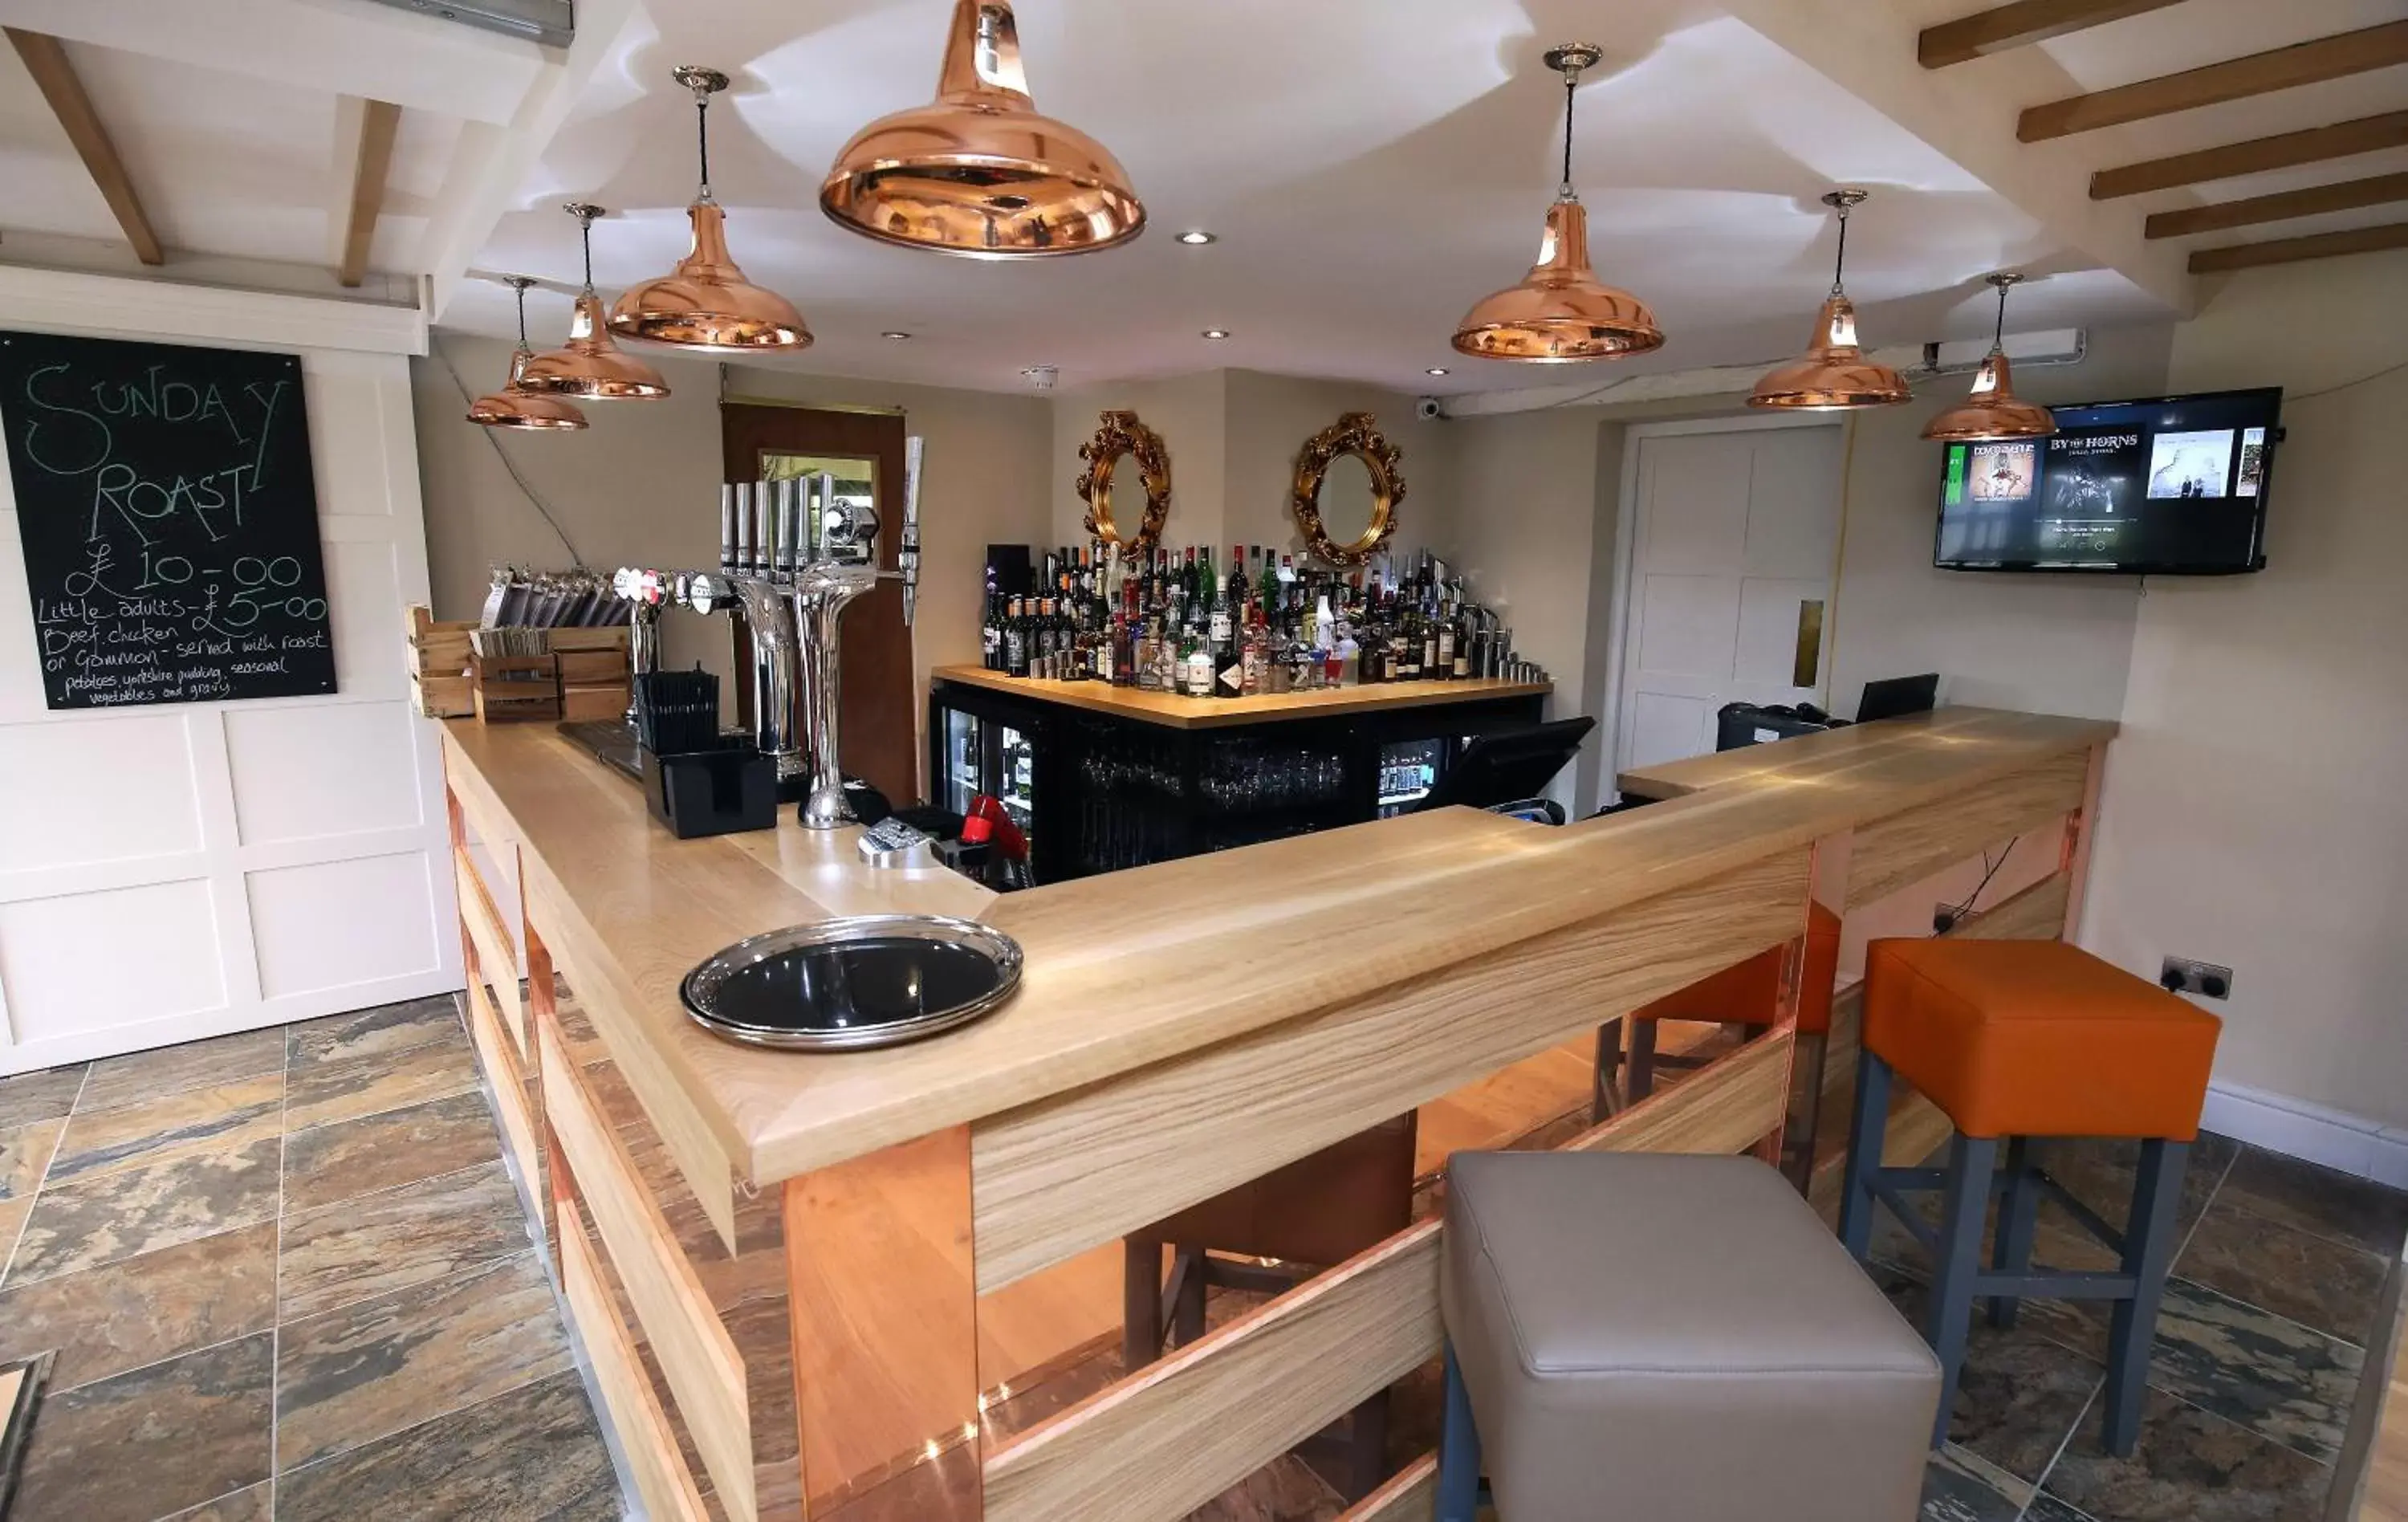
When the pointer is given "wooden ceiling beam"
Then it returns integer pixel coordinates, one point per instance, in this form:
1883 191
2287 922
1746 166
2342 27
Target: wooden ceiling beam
2283 250
2284 151
379 121
2283 68
2344 195
46 60
2018 25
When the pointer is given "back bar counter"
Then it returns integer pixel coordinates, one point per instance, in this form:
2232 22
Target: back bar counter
830 1285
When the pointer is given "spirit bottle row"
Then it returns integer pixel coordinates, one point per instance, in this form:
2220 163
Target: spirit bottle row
1178 621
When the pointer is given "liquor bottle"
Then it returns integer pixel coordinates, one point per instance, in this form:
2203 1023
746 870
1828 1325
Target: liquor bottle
1194 663
1016 640
1449 661
991 626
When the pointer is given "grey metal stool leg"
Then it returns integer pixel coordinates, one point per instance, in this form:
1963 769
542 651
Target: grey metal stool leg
2018 1221
1958 1257
1867 1127
1458 1451
2149 1252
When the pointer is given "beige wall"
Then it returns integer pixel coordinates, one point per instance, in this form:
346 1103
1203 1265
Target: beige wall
641 486
2255 814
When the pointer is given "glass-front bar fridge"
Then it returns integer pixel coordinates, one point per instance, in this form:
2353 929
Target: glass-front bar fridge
979 744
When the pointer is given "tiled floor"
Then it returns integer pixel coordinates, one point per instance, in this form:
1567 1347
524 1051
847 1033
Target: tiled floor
286 1276
2258 1353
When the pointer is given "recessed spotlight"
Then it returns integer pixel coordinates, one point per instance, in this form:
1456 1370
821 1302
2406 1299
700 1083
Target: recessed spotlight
898 334
1216 333
1435 370
1197 237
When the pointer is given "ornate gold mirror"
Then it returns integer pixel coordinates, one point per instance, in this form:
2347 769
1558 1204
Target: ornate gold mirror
1122 434
1347 474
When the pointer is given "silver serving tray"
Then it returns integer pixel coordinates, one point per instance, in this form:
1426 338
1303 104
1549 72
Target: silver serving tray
854 983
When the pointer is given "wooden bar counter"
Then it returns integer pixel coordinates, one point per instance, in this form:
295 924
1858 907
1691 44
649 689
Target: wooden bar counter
814 1284
1174 711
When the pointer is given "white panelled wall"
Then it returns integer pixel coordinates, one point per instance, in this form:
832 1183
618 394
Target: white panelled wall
179 871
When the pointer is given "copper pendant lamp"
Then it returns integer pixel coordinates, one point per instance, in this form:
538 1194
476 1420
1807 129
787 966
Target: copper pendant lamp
514 406
589 365
705 302
1561 311
1835 373
978 172
1992 411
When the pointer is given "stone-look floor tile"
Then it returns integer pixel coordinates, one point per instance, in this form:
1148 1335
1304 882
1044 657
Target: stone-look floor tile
48 1095
431 1230
13 1221
139 1311
1283 1490
2189 1467
350 1376
2312 1280
2019 1392
1960 1487
534 1451
353 1157
172 1070
2273 1376
327 1092
153 1442
252 1504
177 1126
117 1215
24 1153
2318 1200
379 1032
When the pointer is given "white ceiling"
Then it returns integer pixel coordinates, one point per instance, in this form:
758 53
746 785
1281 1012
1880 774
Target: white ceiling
1372 167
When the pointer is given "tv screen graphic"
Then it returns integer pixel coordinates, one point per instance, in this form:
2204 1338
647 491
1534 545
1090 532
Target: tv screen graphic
2173 485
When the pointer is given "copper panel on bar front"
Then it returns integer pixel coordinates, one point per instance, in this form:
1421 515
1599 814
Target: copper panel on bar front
885 1333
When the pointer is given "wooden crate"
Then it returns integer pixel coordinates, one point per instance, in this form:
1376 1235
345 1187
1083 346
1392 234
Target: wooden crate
510 687
440 683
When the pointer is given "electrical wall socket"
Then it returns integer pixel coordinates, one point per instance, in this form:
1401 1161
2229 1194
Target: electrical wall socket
2182 976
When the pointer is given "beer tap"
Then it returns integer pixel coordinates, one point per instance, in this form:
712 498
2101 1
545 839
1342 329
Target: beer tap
842 543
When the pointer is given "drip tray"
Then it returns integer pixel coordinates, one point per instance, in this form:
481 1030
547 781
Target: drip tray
844 985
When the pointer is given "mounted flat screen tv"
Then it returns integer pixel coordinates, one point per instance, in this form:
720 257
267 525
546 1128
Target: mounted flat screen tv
2166 486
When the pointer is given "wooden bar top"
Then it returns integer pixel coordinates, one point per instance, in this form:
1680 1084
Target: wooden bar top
1179 712
1136 968
1871 752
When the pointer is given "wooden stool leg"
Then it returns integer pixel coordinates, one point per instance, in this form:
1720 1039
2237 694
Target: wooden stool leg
1964 1205
1367 1448
2018 1220
2149 1252
1458 1451
1187 1295
1868 1128
1140 1302
1601 1102
1642 1059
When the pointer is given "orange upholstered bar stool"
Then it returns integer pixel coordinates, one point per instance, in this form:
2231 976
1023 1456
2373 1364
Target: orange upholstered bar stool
1748 993
2015 1040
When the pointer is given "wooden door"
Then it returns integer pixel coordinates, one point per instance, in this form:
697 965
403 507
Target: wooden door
1733 540
875 727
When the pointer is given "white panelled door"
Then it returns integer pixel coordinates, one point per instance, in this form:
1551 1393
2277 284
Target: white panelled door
174 872
1734 538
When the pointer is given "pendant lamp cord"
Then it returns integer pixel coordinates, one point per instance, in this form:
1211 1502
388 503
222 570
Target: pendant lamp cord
702 136
522 338
1571 82
1840 261
1999 337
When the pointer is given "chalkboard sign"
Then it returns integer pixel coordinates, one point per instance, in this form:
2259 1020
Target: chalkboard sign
170 519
